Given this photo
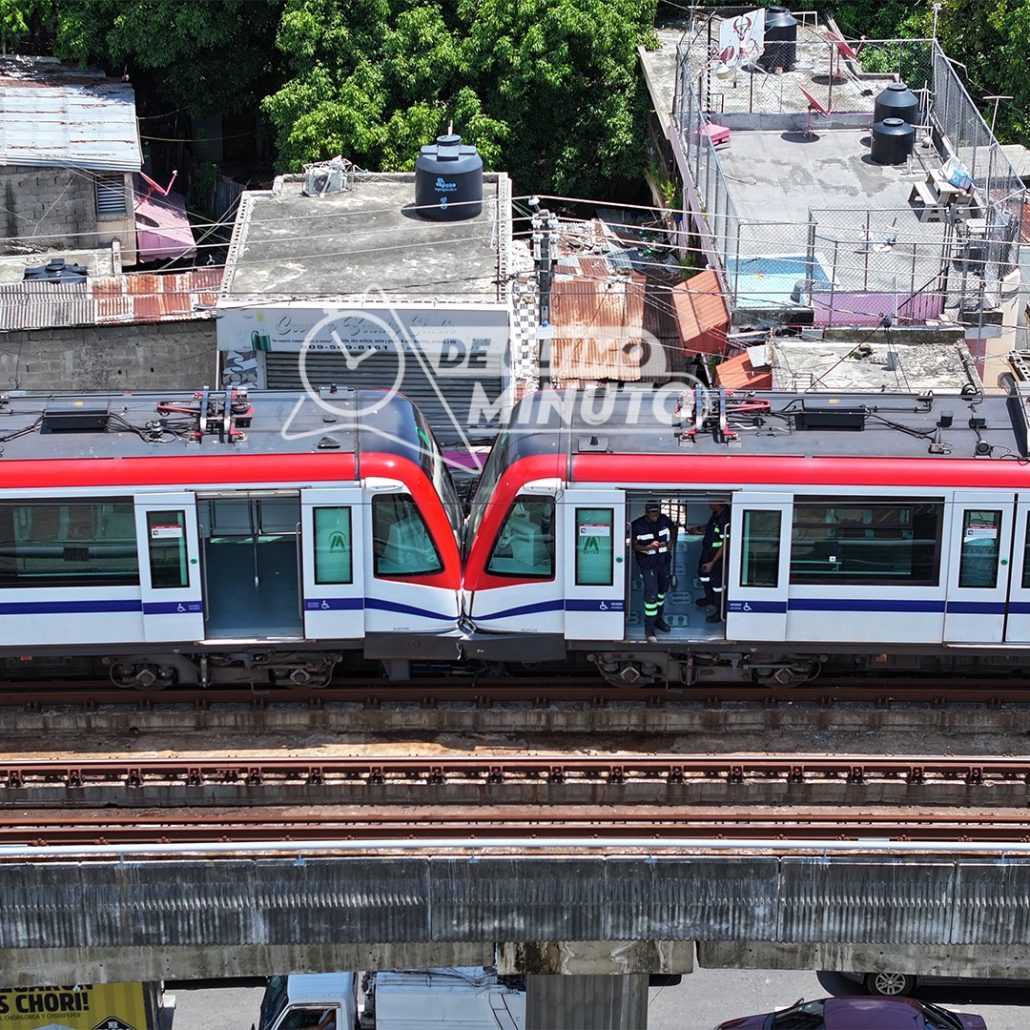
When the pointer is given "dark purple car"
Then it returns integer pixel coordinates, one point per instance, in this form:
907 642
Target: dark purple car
859 1014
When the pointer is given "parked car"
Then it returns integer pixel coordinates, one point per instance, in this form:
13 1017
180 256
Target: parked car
859 1014
898 985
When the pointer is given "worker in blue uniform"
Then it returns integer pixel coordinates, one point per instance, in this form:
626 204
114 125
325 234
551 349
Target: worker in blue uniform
654 538
711 563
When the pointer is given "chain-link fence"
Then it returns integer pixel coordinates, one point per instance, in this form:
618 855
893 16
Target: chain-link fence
851 266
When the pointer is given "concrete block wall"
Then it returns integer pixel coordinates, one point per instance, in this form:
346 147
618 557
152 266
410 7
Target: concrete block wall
155 356
58 207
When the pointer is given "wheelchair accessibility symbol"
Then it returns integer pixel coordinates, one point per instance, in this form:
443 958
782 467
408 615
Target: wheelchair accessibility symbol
603 607
325 606
181 608
746 608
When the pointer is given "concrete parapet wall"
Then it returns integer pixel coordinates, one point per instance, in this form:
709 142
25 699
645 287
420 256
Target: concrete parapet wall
142 356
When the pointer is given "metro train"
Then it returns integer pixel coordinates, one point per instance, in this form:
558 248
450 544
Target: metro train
867 533
279 538
219 537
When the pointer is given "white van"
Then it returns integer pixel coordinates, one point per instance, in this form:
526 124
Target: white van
310 1001
457 998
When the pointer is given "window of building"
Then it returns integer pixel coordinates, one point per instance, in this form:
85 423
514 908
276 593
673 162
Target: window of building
865 543
54 543
110 192
981 539
333 555
525 545
401 542
760 561
166 545
594 543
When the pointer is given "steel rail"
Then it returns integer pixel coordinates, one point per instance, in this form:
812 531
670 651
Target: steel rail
437 770
613 824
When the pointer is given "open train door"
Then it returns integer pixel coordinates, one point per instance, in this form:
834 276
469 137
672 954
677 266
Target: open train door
978 576
332 527
595 564
758 576
169 566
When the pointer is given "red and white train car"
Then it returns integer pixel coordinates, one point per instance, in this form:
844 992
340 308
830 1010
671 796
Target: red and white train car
866 531
215 537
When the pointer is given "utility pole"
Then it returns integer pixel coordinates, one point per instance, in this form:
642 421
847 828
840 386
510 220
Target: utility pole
545 253
936 15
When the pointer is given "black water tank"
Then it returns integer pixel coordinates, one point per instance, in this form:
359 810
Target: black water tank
897 101
781 39
448 181
893 140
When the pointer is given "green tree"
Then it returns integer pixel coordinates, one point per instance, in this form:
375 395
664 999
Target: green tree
204 55
548 89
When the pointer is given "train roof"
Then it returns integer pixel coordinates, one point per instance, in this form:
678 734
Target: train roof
711 422
36 426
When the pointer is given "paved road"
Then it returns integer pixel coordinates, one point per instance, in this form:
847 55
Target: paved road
704 999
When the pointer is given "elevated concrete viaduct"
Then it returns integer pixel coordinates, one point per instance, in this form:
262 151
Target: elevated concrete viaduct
575 908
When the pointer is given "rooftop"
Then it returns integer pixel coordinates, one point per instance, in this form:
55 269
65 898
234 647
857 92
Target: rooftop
364 241
52 114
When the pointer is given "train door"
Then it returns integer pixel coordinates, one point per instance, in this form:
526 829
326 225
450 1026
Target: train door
1017 627
250 548
170 578
758 576
331 520
595 599
978 569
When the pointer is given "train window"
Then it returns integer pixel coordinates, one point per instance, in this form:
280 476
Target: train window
53 543
333 555
978 563
760 563
525 545
594 546
166 546
401 542
886 541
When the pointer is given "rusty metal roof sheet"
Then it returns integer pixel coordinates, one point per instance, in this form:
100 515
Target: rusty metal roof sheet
702 313
598 326
54 115
109 300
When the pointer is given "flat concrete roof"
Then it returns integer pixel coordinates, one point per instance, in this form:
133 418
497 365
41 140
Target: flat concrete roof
98 261
659 67
364 241
777 177
803 364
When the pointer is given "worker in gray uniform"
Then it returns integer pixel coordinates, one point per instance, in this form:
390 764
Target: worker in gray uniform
710 565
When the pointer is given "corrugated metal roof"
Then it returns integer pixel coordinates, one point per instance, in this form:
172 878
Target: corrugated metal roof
56 115
702 314
737 373
109 300
598 323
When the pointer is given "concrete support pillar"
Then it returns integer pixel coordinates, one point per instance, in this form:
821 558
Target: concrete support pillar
586 1002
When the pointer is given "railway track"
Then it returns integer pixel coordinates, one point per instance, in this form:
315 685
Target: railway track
426 772
515 823
542 691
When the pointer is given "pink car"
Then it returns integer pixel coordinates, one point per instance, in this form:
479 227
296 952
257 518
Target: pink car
859 1014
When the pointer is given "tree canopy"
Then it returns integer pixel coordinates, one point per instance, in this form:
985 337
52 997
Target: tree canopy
548 89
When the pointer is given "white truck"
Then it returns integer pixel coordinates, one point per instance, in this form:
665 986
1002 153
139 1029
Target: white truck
457 998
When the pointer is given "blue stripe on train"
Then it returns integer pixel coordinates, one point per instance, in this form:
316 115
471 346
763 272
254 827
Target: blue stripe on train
68 607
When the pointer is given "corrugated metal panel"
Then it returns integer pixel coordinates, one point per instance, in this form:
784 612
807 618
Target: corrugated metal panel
43 305
66 117
443 401
587 1002
702 313
597 328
